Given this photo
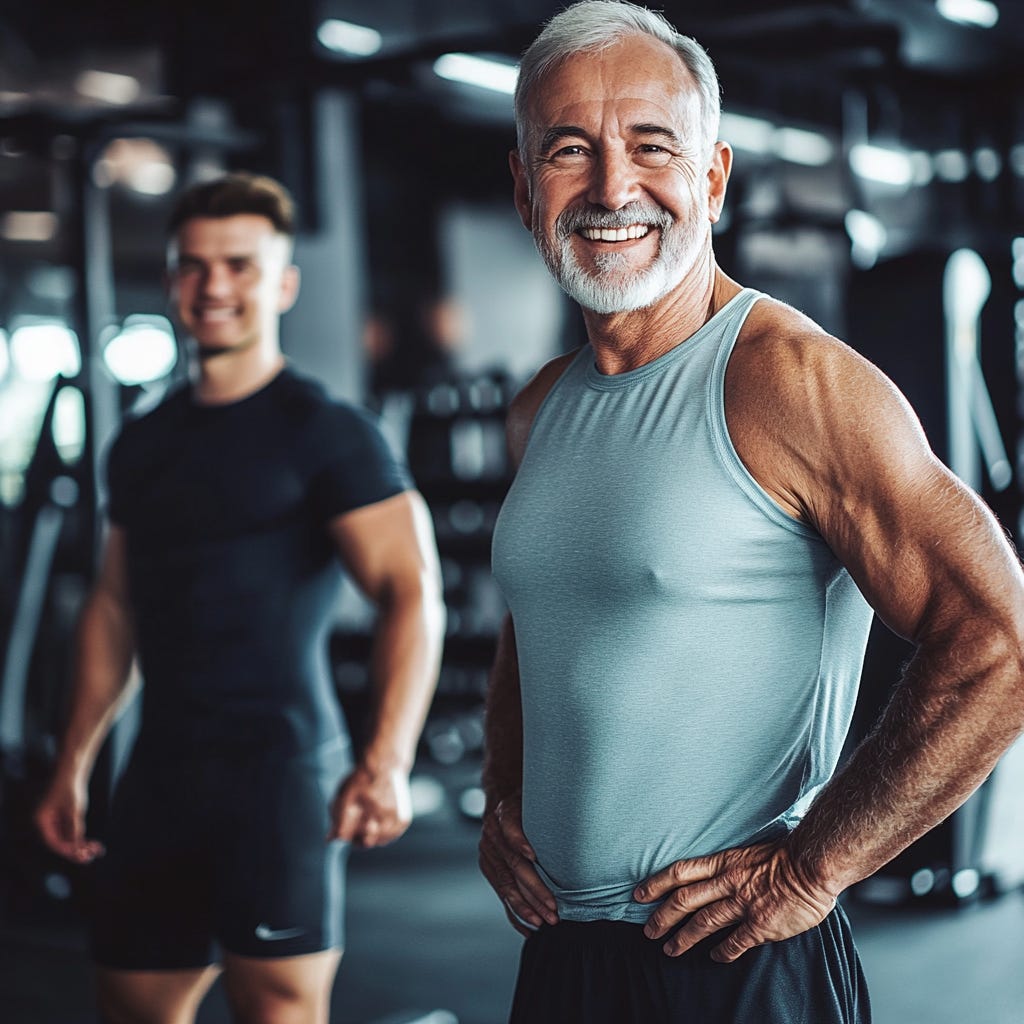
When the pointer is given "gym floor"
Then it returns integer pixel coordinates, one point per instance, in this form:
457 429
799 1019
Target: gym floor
428 944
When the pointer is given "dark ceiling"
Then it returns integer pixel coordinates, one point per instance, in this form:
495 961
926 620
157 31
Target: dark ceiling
897 65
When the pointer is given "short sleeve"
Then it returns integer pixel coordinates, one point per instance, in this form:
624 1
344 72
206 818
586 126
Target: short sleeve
358 466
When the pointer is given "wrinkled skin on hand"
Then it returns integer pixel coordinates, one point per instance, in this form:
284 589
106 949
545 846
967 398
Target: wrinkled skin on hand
507 862
759 891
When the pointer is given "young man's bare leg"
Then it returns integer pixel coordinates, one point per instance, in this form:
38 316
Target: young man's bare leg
285 990
152 997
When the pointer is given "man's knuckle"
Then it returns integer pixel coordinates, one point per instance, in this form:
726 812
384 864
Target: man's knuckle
679 900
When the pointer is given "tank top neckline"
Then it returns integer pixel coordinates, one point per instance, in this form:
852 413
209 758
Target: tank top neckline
681 351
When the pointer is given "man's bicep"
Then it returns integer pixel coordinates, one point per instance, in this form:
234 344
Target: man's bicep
386 544
924 549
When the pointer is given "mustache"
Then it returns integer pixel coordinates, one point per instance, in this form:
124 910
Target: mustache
584 215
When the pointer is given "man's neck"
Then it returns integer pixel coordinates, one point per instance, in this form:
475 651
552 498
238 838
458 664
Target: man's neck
625 341
232 376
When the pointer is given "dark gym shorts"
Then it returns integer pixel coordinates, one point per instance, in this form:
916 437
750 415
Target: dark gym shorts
609 972
224 851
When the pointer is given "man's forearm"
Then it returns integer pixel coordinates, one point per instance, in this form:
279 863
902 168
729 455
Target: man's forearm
950 719
406 659
503 722
103 681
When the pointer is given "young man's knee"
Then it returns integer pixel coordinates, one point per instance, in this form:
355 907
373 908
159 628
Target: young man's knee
264 1007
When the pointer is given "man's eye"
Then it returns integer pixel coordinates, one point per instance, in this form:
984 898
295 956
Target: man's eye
652 155
238 266
569 151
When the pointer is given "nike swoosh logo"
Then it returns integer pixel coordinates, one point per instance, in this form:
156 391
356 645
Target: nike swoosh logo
268 934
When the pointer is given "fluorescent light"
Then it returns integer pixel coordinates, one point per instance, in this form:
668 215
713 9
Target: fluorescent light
5 358
867 237
479 71
108 87
756 135
753 134
41 350
923 169
152 179
966 286
345 37
878 163
799 146
28 226
143 351
988 163
69 424
142 165
981 13
1017 249
951 165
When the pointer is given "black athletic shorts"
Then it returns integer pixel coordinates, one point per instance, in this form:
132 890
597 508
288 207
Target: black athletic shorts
220 851
609 972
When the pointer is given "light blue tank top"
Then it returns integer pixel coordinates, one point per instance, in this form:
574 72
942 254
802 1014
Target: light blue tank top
689 653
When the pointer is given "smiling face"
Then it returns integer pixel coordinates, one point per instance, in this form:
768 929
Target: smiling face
230 280
620 187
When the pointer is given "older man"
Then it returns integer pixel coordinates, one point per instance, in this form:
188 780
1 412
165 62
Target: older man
706 494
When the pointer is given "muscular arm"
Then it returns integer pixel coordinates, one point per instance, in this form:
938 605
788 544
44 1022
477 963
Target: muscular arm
836 446
936 567
388 547
102 683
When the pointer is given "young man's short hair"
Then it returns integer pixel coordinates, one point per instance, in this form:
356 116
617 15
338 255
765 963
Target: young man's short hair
236 193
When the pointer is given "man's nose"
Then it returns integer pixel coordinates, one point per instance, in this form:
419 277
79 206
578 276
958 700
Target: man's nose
614 183
216 280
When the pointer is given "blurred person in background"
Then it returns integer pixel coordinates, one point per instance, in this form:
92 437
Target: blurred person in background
233 508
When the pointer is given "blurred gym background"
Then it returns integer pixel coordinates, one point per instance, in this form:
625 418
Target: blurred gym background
878 186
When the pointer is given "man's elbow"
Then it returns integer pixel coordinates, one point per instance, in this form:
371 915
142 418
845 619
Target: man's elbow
419 593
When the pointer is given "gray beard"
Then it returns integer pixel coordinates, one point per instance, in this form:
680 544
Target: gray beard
599 290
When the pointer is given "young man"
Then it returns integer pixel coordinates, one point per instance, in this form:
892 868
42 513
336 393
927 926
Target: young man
704 494
231 506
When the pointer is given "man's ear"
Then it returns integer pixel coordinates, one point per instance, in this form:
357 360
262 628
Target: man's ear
718 179
521 193
290 281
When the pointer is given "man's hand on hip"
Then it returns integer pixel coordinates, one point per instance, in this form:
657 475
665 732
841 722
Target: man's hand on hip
757 890
507 862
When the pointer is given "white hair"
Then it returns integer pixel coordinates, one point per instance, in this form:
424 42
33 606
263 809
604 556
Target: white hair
595 25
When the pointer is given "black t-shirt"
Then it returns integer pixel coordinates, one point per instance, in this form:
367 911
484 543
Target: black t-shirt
233 576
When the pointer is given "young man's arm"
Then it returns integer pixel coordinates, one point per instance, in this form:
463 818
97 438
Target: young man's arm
843 452
103 681
388 548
